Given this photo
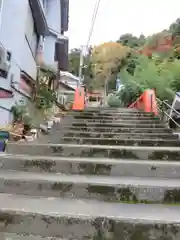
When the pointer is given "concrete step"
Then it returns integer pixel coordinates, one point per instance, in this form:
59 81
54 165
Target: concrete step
107 151
126 141
124 117
117 125
112 114
99 109
91 166
125 135
118 121
129 129
14 236
78 219
103 188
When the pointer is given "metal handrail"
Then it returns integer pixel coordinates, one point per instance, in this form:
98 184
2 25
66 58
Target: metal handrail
164 112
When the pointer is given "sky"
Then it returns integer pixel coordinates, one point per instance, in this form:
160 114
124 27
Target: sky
117 17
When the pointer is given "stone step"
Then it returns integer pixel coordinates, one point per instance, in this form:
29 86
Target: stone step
129 129
118 121
78 219
91 166
123 117
126 141
107 151
14 236
112 114
93 109
120 135
102 188
117 125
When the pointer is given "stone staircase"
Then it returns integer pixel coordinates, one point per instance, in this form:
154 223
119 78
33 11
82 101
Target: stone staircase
107 174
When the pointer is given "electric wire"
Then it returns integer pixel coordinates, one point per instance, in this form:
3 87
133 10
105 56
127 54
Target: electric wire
94 16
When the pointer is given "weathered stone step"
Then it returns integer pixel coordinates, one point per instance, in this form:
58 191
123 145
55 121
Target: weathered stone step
91 166
102 188
107 110
118 121
112 114
120 135
77 219
14 236
107 151
118 125
129 129
126 141
123 117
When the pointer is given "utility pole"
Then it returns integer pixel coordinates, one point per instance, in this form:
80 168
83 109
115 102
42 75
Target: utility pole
81 63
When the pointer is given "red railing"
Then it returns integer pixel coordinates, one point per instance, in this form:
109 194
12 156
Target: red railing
146 102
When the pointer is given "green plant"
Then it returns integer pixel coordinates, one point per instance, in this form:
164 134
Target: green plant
17 111
20 114
45 97
114 101
156 73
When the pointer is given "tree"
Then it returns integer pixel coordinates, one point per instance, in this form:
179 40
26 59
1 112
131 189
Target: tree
132 41
106 61
155 73
74 62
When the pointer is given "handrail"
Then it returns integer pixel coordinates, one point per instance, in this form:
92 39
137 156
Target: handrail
164 112
146 102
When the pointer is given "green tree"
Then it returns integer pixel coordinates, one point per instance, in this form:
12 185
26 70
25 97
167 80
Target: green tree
74 61
153 74
132 41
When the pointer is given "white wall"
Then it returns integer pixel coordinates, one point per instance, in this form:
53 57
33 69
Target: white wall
5 117
53 9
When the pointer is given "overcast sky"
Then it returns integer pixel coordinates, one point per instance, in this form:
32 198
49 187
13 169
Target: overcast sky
117 17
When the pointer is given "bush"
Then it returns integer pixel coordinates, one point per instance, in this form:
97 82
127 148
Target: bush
114 101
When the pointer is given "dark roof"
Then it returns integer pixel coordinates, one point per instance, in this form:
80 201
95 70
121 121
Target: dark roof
39 17
66 86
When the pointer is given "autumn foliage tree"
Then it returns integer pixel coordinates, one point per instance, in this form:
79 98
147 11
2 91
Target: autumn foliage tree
107 60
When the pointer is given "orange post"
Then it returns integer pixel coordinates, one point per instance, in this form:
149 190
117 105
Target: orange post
79 99
147 102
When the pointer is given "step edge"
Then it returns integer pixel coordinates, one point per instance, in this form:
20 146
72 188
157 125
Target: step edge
170 215
108 181
111 161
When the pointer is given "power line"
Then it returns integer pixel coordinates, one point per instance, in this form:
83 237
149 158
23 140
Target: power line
95 12
84 48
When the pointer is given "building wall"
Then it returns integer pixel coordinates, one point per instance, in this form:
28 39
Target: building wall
63 95
12 34
49 47
14 23
53 15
